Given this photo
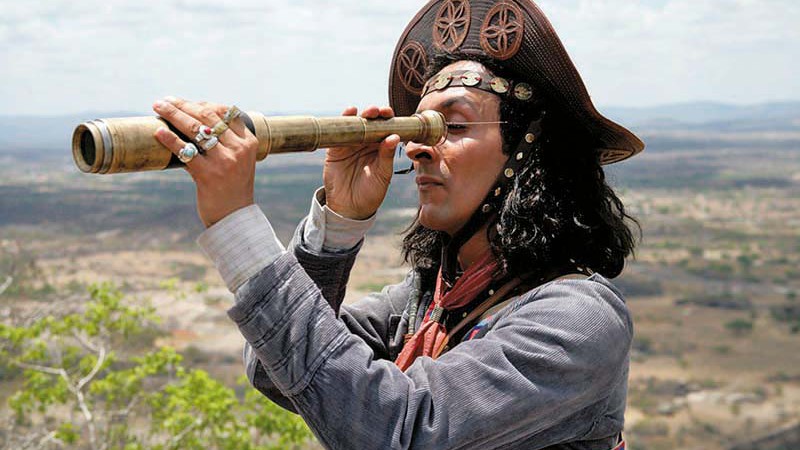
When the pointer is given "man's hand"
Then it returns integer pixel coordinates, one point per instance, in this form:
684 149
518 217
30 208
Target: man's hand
225 175
357 178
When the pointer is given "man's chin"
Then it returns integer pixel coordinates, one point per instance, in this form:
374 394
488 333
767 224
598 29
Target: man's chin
428 218
432 219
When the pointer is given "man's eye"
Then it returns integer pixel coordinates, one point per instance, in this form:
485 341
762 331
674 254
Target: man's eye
456 127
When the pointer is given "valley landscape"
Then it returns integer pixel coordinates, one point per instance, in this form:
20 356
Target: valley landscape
713 288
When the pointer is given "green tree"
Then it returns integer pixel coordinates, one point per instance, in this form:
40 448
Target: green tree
84 386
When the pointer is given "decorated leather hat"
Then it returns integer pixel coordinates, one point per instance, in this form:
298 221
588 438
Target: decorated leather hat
517 35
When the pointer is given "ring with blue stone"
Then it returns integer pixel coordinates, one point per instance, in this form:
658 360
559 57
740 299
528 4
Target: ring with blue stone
187 153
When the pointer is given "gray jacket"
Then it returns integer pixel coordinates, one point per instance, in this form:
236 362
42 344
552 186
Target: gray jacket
551 372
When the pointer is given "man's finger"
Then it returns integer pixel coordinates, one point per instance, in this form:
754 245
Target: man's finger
388 146
175 144
237 125
387 112
370 112
205 113
185 123
386 152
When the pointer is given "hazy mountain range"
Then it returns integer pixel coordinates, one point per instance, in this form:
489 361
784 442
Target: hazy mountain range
52 135
775 116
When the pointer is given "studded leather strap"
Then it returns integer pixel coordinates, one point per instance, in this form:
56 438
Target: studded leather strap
480 80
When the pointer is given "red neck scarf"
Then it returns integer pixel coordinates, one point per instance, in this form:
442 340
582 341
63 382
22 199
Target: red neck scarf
430 336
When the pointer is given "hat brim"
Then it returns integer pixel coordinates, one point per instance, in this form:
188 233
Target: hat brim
539 58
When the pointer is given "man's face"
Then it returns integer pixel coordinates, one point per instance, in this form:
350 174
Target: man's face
454 177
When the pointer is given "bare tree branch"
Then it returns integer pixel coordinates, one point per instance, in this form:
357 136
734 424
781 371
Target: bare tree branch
179 437
85 342
50 437
51 370
101 358
6 284
88 416
76 389
27 442
30 441
125 412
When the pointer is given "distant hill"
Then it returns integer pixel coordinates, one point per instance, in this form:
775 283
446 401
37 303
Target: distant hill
710 116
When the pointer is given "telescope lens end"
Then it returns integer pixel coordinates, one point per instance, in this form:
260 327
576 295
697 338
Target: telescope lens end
85 140
87 147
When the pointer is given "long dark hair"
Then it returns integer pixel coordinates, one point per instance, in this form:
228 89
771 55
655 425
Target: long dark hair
560 216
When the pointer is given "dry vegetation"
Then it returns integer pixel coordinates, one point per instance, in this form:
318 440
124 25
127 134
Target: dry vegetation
713 289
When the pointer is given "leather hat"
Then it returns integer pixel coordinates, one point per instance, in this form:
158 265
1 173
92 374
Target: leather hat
518 35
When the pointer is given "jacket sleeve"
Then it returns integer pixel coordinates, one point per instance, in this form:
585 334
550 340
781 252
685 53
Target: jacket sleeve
540 375
370 318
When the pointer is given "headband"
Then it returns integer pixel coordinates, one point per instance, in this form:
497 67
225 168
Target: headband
479 80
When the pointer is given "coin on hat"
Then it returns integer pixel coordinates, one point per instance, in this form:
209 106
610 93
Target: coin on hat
499 85
470 79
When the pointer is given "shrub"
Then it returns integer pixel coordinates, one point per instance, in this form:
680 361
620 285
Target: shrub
725 300
739 327
79 360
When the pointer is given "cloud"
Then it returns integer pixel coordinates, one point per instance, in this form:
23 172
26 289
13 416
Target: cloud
314 56
637 53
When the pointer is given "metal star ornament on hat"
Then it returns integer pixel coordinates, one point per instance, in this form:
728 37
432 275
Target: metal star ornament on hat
518 35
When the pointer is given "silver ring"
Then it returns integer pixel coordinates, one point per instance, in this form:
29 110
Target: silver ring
204 133
210 143
187 153
232 113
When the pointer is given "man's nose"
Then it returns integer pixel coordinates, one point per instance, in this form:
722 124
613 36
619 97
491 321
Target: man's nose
416 152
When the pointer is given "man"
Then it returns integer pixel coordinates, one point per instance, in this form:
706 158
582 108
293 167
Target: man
506 332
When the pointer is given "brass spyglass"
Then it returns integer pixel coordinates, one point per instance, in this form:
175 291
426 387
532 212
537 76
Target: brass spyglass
128 144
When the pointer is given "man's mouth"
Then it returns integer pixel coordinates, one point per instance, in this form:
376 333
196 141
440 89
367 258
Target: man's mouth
427 181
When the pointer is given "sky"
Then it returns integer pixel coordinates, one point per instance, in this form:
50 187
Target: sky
65 57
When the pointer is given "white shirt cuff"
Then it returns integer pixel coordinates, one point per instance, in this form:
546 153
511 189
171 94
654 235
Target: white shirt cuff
240 245
326 230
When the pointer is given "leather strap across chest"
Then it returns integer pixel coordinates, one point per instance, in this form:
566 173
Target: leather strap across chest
493 304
